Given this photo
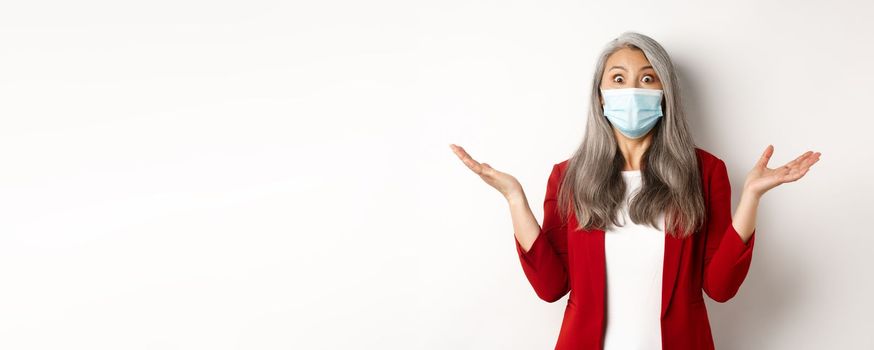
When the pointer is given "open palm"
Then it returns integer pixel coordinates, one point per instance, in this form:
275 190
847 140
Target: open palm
761 178
503 182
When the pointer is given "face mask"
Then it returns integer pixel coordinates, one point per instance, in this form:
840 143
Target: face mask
632 111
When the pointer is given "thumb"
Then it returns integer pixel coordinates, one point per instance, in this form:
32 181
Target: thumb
487 169
766 156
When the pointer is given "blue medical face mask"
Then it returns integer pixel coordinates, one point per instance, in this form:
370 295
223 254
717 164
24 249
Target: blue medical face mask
633 111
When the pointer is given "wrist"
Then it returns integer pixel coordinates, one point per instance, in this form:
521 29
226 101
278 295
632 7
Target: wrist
516 197
750 195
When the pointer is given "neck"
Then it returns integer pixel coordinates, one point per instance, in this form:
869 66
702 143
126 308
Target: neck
632 149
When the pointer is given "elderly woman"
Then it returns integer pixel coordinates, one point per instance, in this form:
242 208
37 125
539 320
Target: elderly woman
637 224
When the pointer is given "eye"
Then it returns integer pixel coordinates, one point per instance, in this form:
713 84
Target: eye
648 78
618 78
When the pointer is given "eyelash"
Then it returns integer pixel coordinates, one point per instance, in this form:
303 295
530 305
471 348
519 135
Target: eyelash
620 75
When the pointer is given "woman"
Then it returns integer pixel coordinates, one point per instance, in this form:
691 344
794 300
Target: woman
637 224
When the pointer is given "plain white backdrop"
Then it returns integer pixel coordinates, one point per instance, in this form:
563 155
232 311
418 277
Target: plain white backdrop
276 175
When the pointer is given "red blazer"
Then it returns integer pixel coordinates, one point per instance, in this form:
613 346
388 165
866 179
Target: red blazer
714 261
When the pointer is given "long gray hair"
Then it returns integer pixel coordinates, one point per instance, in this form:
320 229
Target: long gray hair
671 182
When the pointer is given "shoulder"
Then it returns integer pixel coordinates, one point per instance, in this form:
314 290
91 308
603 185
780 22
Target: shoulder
706 156
711 167
706 159
556 175
558 169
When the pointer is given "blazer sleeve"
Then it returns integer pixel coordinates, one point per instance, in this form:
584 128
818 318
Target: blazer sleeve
545 262
727 258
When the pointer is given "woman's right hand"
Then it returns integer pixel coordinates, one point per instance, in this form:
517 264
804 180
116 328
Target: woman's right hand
501 181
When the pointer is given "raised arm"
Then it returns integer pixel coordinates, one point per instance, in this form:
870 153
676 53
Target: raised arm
730 240
542 251
727 258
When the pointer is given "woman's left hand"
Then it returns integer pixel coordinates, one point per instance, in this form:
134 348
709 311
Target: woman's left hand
761 178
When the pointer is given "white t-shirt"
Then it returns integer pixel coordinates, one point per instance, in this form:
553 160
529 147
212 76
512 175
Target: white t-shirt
634 258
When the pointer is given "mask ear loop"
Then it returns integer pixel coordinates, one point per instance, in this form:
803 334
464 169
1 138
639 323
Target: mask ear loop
664 104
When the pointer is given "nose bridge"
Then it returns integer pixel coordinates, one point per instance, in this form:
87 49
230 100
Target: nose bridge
634 75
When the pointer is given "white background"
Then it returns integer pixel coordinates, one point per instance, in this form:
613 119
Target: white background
276 175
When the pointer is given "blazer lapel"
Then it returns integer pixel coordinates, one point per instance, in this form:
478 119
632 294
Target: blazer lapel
597 261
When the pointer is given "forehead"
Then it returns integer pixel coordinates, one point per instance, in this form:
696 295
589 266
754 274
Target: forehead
629 58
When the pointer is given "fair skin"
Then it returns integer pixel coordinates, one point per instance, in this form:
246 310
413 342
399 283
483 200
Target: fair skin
627 68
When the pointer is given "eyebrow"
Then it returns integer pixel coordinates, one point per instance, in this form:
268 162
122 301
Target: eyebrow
623 68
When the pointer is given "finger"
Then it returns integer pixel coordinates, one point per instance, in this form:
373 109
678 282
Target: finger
457 149
467 159
799 159
488 170
810 161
